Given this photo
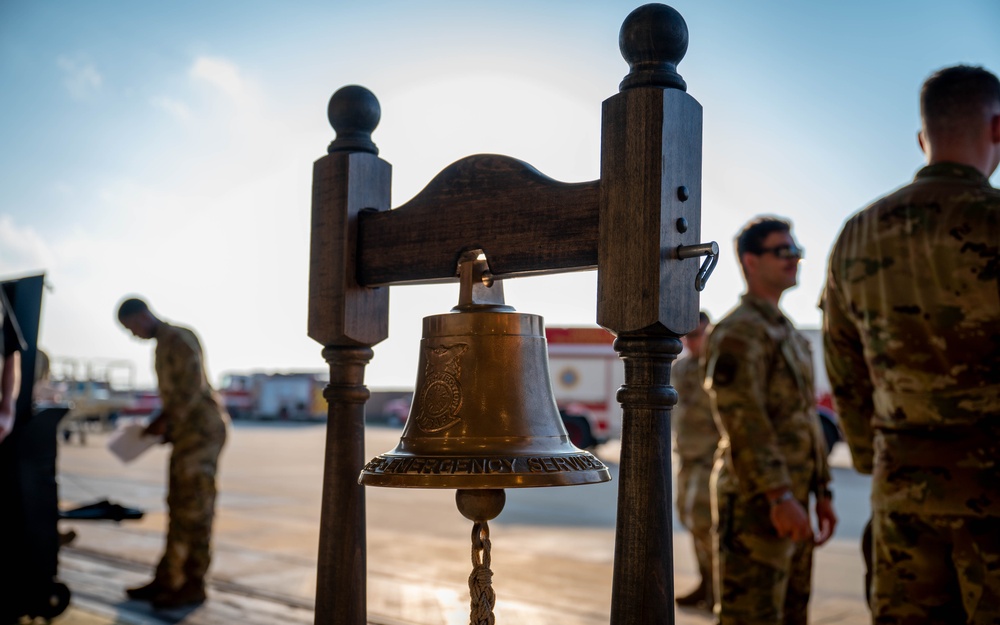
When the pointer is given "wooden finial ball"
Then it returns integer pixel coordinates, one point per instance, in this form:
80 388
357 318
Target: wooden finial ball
653 40
480 504
354 112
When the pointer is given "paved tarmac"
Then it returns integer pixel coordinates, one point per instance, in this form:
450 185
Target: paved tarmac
552 548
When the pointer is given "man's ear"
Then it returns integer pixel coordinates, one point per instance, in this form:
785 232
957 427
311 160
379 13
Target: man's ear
921 142
995 128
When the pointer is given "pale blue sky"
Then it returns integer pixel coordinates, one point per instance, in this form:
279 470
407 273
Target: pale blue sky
165 149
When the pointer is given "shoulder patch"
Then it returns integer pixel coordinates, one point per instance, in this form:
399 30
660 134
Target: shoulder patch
724 370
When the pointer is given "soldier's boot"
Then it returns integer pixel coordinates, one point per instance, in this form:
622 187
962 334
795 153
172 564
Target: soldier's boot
146 592
190 594
702 597
697 598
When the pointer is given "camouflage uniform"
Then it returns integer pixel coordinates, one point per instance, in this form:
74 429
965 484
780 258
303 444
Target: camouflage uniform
196 427
697 440
760 378
912 344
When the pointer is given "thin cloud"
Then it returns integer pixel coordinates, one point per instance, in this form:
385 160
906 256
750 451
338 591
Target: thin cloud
241 99
221 74
21 248
175 108
81 77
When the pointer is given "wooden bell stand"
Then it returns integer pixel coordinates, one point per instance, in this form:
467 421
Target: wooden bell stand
631 225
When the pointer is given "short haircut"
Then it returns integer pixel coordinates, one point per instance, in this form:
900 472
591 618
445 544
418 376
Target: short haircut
131 306
955 98
751 237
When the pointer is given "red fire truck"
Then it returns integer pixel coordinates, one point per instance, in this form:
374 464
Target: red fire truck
586 373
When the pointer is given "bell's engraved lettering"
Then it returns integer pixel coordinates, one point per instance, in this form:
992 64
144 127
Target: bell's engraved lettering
556 464
495 465
441 398
482 466
387 465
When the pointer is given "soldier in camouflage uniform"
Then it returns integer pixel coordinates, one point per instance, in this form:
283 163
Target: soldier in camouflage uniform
912 345
194 421
772 453
697 438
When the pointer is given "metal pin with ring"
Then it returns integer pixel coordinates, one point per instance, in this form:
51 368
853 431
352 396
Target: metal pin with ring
710 251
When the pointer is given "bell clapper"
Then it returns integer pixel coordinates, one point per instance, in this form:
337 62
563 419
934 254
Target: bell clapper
479 506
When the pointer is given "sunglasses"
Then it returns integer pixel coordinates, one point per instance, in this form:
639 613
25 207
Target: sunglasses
784 251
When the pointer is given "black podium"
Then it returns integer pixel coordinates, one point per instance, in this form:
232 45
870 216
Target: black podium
29 501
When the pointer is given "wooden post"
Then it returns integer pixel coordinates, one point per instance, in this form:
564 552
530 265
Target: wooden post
347 319
650 206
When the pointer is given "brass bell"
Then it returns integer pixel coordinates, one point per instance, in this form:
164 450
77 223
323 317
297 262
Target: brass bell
483 415
483 418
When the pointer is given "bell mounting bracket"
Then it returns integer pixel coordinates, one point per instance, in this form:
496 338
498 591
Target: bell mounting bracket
478 289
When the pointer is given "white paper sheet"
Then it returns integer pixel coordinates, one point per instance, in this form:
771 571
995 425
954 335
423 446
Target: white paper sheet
128 443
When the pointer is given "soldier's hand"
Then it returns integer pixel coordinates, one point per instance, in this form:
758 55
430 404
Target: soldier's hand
791 520
6 423
157 427
826 518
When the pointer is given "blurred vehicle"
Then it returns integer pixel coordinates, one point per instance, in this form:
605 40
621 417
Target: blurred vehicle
144 403
397 410
830 422
98 391
828 418
586 373
269 396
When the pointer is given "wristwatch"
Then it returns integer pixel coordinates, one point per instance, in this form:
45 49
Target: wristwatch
782 498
